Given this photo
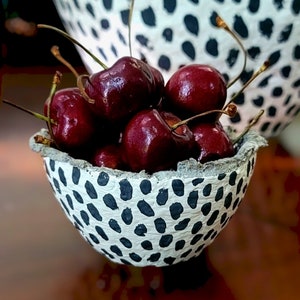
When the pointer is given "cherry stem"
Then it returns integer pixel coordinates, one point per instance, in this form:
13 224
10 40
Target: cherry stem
80 85
262 68
73 41
35 114
129 26
55 51
250 125
230 111
221 24
56 81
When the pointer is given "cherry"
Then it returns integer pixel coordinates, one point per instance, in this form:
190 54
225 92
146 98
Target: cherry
150 143
212 140
118 92
109 156
194 89
73 122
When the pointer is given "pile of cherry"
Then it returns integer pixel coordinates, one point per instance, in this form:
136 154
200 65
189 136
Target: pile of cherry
126 117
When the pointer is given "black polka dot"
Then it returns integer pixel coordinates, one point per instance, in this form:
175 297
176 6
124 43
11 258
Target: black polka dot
94 211
219 193
169 6
197 181
101 232
94 239
52 165
115 249
253 6
135 257
221 176
85 217
206 208
182 224
232 178
146 186
70 202
207 190
168 34
185 254
179 245
254 52
258 101
114 225
147 245
240 27
178 187
193 199
148 16
223 218
232 57
160 225
90 190
274 57
212 47
162 196
77 221
126 242
142 39
77 196
169 260
121 37
296 53
104 24
240 99
277 91
65 207
103 179
207 236
189 49
89 7
196 239
140 230
266 27
228 200
191 24
125 189
176 210
271 111
75 175
296 7
285 33
196 227
56 186
212 218
164 62
165 240
110 201
154 257
127 216
239 185
124 16
145 208
107 4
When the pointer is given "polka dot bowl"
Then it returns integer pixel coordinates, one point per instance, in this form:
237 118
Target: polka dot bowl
173 33
159 219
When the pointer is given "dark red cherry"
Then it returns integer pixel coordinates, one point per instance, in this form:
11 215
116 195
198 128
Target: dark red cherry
213 141
74 122
149 142
121 90
194 89
109 156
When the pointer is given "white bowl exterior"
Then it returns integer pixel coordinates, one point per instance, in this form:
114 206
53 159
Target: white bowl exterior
142 219
279 97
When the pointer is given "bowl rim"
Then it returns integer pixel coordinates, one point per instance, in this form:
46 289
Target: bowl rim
246 147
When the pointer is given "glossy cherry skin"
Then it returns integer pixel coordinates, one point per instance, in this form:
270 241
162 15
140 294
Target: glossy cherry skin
213 141
74 122
194 89
121 90
150 144
109 156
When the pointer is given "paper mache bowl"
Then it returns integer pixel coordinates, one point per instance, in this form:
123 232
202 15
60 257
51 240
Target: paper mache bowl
170 34
159 219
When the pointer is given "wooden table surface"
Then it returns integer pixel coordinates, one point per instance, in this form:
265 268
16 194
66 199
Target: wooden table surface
42 256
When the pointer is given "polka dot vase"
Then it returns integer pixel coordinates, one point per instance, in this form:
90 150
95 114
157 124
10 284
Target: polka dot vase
170 34
160 219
